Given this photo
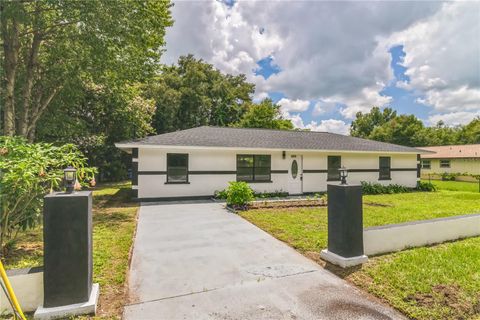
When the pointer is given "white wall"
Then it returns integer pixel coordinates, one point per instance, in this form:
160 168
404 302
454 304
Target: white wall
396 237
28 288
154 159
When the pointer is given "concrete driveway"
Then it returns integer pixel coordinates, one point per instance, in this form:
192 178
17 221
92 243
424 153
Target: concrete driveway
198 261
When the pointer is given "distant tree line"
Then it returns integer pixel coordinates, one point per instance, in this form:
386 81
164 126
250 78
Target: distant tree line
385 125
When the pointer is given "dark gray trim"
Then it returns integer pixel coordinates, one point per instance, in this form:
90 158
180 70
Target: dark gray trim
279 171
135 193
212 172
23 271
256 181
151 173
403 169
134 173
363 170
180 182
315 171
134 166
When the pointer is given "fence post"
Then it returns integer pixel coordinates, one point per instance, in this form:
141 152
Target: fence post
67 232
345 226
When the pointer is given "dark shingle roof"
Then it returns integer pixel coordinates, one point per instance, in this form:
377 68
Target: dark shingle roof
266 139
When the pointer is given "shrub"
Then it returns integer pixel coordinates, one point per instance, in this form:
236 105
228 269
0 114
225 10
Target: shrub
446 176
426 186
220 194
239 194
28 171
377 188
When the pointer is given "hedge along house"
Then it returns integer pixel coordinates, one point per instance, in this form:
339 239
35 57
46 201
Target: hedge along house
457 159
195 163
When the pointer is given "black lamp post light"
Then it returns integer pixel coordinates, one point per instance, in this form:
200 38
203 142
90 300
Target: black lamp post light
69 179
343 175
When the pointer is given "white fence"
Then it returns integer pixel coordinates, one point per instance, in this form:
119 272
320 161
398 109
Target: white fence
28 287
396 237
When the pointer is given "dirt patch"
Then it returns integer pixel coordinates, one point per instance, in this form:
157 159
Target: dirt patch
376 204
288 204
449 296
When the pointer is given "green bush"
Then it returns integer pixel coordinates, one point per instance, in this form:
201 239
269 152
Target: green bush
220 194
446 176
377 188
28 171
239 194
426 186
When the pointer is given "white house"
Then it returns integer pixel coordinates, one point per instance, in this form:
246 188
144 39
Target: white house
195 163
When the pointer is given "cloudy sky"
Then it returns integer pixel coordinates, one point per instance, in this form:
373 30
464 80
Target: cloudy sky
325 61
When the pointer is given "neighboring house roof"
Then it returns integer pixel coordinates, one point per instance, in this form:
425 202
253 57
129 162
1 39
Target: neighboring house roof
264 139
447 152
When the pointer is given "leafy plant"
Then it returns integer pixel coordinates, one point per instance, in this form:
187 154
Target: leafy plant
448 176
28 171
239 194
426 186
220 194
377 188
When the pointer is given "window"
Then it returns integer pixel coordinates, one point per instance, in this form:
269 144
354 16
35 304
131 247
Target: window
252 168
426 164
444 163
384 168
177 168
334 163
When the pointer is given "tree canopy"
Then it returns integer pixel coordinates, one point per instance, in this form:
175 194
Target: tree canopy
265 114
408 130
52 48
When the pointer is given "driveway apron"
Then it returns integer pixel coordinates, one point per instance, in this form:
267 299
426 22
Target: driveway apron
196 260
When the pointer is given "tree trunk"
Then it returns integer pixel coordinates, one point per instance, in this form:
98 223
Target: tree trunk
11 47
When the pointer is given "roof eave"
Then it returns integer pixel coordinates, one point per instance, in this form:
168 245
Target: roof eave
125 146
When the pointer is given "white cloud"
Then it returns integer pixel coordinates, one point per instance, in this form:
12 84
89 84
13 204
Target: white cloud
323 106
454 118
443 59
329 125
326 50
298 105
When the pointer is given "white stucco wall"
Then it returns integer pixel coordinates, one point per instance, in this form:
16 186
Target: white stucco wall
390 238
202 159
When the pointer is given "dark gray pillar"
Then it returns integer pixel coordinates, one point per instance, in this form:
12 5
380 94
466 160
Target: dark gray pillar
345 225
67 233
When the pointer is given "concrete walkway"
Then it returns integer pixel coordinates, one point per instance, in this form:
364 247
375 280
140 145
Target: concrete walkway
198 261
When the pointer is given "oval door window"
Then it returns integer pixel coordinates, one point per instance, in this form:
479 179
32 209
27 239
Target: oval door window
294 169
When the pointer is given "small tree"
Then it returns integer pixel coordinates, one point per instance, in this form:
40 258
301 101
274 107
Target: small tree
28 172
239 194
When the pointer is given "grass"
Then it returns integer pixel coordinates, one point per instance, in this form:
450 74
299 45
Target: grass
456 185
437 282
306 228
114 221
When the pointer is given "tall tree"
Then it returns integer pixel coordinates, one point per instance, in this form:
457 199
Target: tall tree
365 123
193 93
265 114
470 133
53 47
405 130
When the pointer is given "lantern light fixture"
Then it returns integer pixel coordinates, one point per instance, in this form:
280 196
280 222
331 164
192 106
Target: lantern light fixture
69 179
343 175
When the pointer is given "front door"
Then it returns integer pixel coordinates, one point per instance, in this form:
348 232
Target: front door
295 175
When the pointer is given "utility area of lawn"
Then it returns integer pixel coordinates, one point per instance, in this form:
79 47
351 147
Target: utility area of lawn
114 221
437 282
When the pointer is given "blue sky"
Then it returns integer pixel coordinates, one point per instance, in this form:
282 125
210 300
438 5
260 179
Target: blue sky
325 61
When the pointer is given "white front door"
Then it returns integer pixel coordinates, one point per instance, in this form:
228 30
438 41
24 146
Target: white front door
295 174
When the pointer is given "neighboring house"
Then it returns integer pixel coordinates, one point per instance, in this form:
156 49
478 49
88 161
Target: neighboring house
451 159
195 163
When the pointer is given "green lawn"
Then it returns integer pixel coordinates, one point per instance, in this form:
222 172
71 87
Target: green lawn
306 228
456 185
114 221
438 282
